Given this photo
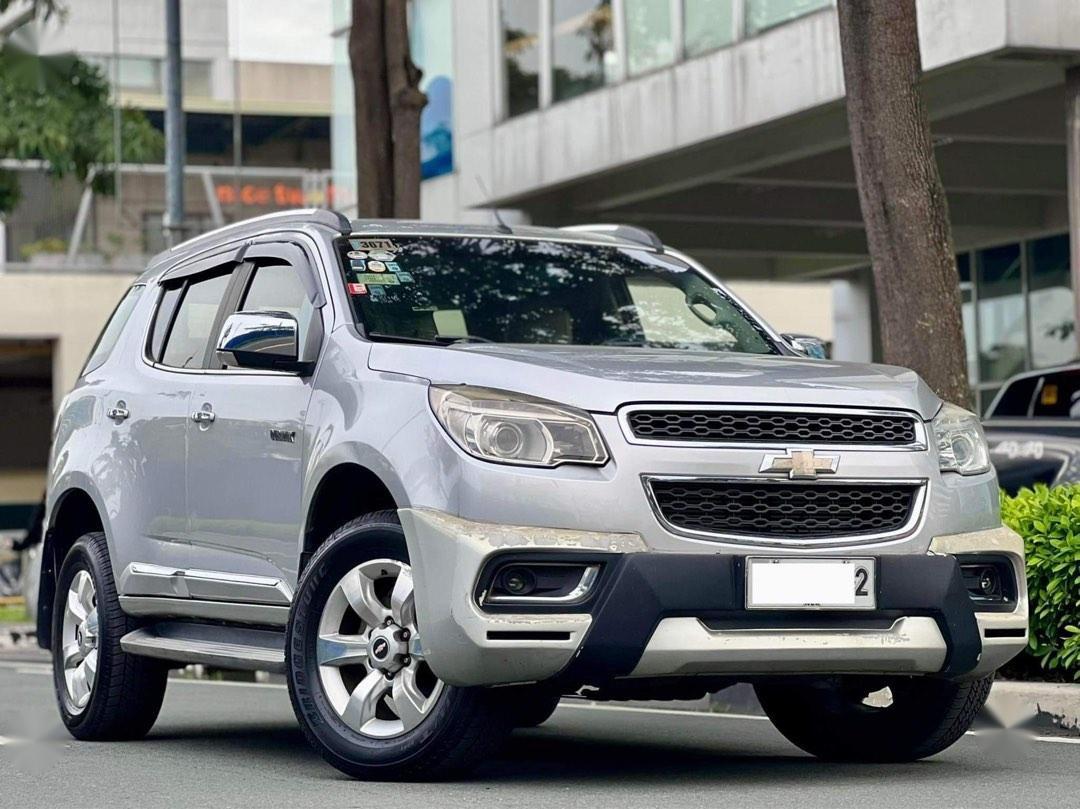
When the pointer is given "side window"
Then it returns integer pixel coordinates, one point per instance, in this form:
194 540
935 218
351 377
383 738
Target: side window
111 333
189 336
278 288
163 319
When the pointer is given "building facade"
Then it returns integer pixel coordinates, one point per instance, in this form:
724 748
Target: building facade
721 125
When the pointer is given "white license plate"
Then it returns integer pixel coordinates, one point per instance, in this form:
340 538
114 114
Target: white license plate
810 584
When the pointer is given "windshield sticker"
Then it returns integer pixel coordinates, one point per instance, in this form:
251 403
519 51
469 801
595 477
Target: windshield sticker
357 254
404 277
374 244
357 289
376 266
377 278
383 255
357 264
377 293
393 266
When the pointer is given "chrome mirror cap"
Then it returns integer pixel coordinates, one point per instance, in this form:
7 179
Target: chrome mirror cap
267 341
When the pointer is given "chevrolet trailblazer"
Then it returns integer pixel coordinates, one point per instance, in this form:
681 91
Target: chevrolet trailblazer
440 476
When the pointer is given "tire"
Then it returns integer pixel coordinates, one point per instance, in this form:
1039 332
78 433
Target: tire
125 692
452 730
532 705
830 720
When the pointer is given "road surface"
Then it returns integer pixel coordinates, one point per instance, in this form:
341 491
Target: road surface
223 745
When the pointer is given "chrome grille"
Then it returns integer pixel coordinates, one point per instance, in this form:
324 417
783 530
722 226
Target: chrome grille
734 426
781 510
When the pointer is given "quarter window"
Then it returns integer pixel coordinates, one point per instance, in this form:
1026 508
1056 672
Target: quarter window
191 329
111 333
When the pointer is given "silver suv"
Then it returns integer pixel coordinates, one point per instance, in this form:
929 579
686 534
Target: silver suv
440 476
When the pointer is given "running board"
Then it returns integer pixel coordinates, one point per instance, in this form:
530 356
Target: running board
226 647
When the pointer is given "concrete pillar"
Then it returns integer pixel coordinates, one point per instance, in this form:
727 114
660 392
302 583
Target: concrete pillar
853 324
1072 141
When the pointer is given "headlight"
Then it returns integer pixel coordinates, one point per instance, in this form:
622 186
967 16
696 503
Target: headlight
516 429
960 441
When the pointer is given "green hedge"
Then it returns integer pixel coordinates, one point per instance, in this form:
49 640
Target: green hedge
1049 522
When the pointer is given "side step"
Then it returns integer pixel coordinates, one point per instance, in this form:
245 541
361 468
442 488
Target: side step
226 647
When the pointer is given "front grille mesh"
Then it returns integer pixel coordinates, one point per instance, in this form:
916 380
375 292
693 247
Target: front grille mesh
784 510
751 427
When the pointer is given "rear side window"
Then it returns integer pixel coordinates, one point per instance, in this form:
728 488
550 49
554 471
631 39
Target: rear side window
111 333
190 332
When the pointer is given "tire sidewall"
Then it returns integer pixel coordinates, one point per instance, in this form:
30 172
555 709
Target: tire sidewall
344 747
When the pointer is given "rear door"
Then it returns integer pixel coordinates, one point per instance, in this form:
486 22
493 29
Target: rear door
245 459
145 467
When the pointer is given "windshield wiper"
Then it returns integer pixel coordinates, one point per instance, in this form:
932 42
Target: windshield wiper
401 338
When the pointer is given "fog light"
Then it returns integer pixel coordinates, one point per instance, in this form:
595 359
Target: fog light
988 581
517 581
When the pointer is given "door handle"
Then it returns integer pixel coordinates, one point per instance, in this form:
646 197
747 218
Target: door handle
203 416
118 413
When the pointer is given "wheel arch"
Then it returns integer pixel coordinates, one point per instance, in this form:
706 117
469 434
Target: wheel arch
344 491
73 512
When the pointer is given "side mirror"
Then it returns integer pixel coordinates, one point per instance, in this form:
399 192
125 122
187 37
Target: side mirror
812 347
265 341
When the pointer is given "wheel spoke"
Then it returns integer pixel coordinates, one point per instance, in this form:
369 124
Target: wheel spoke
75 607
73 655
402 601
79 688
360 591
341 650
90 663
408 701
365 700
86 591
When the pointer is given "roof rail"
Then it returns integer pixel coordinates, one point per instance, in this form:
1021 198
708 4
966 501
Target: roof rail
628 233
318 216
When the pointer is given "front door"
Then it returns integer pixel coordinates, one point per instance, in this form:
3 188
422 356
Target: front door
246 445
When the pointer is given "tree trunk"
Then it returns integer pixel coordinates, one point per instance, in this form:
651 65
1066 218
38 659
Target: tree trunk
374 142
388 105
406 103
902 197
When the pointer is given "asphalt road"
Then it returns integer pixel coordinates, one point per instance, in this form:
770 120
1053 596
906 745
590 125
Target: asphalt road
223 745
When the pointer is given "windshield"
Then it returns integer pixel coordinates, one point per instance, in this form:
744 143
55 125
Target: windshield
505 290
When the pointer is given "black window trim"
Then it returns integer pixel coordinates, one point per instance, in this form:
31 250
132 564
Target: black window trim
186 279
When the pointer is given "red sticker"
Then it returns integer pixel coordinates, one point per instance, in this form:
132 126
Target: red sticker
358 289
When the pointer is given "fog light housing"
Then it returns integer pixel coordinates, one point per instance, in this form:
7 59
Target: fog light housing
989 581
528 583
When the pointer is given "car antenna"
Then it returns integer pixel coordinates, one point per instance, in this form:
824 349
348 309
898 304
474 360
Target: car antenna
503 227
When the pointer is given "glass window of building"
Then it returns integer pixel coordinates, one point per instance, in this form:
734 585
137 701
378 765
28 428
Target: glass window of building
763 14
139 74
649 38
583 46
1050 301
708 25
521 55
1002 313
967 302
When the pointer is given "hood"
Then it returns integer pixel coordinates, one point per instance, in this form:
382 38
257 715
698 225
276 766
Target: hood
601 379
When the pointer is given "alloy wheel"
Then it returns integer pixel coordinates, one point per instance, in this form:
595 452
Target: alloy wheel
79 642
371 664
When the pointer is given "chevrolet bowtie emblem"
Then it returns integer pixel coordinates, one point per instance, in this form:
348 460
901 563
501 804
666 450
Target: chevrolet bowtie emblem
801 464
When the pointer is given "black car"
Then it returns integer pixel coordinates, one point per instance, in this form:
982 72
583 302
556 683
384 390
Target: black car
1033 429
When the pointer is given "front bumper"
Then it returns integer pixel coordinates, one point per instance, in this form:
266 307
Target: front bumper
682 614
